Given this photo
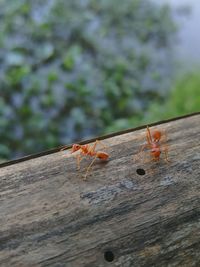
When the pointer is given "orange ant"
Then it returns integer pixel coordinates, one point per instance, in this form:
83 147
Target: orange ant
154 144
88 150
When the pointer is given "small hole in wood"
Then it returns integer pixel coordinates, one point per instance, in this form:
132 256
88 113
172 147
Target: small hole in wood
140 171
108 256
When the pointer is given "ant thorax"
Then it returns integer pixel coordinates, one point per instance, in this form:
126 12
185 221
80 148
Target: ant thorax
155 144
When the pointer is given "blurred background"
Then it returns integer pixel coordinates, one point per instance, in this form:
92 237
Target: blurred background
75 69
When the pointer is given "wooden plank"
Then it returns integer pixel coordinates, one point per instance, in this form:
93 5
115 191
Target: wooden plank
50 217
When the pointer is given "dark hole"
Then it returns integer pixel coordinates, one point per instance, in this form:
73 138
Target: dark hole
140 171
108 256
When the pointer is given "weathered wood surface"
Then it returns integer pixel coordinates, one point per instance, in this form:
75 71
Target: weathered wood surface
50 217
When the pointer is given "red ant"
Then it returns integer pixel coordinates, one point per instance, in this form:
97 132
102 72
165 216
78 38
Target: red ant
154 144
88 150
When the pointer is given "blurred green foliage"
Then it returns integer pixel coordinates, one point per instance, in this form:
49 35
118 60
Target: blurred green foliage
184 98
72 69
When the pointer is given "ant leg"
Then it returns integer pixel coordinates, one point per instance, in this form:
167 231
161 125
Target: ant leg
164 135
151 159
143 147
101 143
165 150
148 136
78 161
148 145
136 157
89 167
165 146
92 148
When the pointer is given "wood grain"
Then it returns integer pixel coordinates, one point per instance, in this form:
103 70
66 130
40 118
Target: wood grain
51 217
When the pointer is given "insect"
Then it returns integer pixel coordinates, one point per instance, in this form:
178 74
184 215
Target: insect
154 144
89 150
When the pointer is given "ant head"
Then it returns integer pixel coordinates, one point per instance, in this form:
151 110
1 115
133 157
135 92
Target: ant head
75 148
156 135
